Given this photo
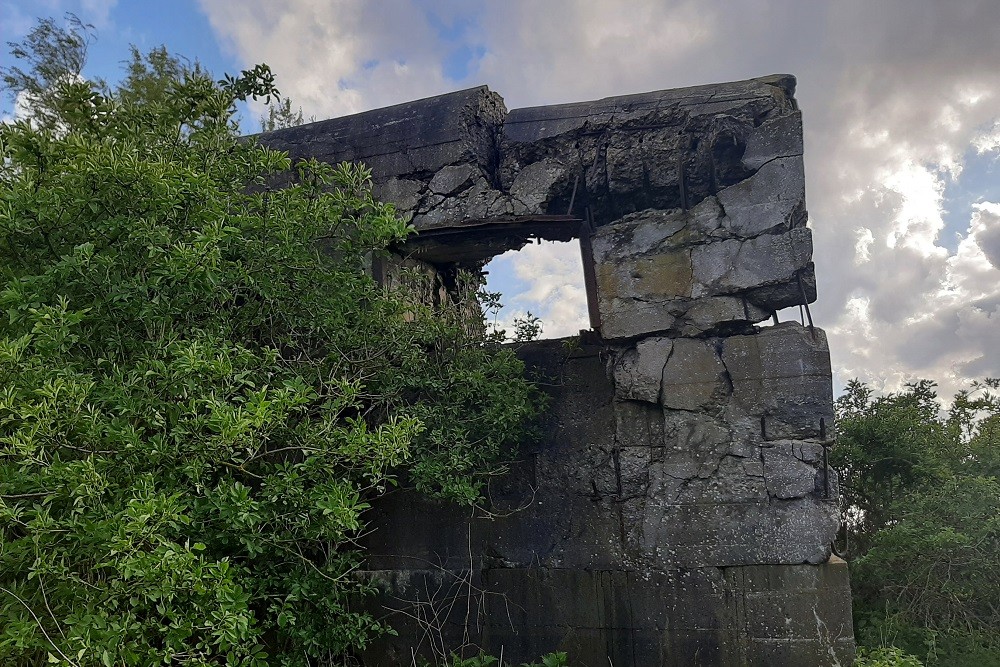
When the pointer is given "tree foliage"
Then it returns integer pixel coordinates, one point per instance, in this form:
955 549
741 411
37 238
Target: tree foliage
51 58
885 657
281 115
149 77
922 498
201 388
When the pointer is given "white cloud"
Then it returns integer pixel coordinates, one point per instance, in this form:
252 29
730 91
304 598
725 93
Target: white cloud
894 95
988 140
862 248
985 230
98 12
335 57
20 110
554 292
918 216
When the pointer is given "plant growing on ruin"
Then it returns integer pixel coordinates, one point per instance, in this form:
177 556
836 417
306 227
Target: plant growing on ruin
556 659
201 388
527 328
280 115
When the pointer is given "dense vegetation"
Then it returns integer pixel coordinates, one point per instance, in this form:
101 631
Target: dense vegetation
921 488
201 388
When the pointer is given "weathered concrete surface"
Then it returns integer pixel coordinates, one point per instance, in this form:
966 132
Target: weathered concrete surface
631 484
651 534
677 510
756 616
698 194
451 137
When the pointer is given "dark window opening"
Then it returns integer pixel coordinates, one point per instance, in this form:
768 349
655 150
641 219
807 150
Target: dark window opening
533 266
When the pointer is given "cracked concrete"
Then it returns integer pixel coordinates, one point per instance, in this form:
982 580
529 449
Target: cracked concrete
676 509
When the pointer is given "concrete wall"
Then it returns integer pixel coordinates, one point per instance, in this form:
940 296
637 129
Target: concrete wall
677 510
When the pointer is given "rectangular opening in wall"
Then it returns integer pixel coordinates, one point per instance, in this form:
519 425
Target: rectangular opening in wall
542 291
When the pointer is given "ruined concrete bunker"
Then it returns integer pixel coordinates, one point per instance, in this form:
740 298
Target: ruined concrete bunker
679 509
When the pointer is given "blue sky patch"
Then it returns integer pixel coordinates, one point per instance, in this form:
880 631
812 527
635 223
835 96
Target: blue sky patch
979 181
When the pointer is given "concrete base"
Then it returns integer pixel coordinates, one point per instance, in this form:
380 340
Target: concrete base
748 616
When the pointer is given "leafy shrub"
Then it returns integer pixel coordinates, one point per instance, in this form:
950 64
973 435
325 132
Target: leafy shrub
922 500
557 659
201 388
885 657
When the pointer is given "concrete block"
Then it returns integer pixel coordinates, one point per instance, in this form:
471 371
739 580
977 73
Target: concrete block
783 374
694 376
638 372
734 266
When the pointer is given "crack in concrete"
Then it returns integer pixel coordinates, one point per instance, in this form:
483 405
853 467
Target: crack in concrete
823 632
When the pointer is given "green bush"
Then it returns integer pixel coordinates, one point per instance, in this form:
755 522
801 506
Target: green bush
885 657
922 500
201 388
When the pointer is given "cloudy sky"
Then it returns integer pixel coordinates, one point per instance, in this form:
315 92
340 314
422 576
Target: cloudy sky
901 103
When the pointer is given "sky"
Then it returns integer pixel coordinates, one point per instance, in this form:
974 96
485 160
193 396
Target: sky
900 101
